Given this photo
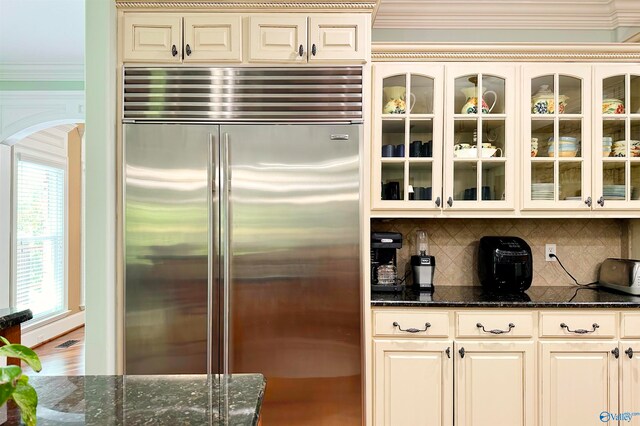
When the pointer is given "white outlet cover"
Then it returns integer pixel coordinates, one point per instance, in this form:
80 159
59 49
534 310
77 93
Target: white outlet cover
549 249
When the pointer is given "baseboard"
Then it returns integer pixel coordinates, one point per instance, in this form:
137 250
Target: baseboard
52 330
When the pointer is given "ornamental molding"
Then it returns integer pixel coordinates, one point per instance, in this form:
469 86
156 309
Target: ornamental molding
354 5
41 72
387 52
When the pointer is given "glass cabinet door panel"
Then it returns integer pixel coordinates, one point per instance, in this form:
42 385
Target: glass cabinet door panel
394 91
466 95
542 180
494 93
570 177
569 95
392 181
421 138
421 95
465 180
542 138
635 181
613 95
420 186
493 138
465 138
570 132
614 178
542 95
634 139
635 95
493 181
393 140
613 138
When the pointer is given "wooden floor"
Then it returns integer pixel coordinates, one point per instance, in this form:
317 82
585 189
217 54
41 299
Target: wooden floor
61 361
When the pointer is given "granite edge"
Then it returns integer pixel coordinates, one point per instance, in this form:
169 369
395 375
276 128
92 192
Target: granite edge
15 318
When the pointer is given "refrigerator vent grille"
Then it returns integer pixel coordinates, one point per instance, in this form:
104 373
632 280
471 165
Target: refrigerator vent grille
243 94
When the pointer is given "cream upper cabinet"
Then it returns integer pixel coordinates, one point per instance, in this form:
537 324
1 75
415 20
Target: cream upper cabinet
413 383
630 377
579 380
152 37
479 141
407 136
556 137
334 38
213 38
495 384
617 137
278 38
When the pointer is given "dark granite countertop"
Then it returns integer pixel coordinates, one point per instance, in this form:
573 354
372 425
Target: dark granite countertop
12 316
149 400
535 297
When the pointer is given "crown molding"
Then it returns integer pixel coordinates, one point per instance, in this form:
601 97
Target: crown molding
525 52
358 5
42 72
508 14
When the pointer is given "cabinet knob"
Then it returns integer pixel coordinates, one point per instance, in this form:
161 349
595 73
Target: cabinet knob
450 202
313 49
601 201
461 352
629 353
438 202
616 353
174 50
588 202
301 50
188 50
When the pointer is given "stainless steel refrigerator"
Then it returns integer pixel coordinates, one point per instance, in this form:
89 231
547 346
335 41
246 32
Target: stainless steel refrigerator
242 241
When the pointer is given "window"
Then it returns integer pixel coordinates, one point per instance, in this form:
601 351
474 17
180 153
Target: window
39 268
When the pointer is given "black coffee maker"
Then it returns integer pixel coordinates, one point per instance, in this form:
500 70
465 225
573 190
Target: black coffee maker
384 275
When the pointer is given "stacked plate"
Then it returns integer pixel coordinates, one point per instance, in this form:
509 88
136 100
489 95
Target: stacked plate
619 149
614 192
542 191
607 143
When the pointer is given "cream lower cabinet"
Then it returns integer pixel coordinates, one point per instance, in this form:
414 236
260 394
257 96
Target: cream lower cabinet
630 377
413 383
579 380
495 384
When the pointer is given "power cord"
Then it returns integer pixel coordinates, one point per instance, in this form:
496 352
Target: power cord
569 273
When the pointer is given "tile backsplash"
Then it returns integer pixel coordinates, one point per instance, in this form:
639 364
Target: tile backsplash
582 244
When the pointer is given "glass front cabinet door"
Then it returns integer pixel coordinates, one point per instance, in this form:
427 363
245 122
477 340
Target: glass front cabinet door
556 137
407 138
617 137
479 146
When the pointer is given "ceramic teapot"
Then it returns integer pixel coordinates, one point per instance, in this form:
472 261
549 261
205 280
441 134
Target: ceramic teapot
395 100
471 104
543 102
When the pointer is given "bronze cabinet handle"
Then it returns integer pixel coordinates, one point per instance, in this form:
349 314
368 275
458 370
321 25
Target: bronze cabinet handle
412 330
629 352
594 326
601 201
497 331
461 352
588 201
450 202
616 353
188 50
174 50
438 202
301 50
313 49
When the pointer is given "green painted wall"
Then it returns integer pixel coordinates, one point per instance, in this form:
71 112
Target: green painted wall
41 85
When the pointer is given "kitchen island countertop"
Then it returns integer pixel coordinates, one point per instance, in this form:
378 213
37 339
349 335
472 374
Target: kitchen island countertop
535 297
157 400
10 317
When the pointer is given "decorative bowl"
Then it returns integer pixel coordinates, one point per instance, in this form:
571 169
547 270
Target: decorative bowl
612 106
543 101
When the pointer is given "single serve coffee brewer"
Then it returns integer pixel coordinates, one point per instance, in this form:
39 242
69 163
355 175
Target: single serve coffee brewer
384 268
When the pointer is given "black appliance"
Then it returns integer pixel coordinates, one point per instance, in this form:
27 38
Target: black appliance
383 257
505 264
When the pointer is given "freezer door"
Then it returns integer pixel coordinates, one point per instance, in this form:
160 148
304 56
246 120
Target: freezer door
294 293
169 236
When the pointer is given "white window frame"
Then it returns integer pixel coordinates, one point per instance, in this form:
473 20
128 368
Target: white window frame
52 160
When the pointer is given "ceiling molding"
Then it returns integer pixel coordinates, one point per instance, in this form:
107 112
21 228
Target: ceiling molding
508 14
42 72
250 5
525 52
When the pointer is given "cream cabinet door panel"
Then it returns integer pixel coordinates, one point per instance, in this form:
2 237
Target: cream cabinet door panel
579 380
338 38
495 384
278 38
151 37
413 383
213 37
630 378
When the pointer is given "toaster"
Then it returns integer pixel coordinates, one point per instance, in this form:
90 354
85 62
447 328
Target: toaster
620 274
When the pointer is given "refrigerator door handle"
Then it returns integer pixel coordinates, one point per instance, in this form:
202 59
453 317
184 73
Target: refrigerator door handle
225 244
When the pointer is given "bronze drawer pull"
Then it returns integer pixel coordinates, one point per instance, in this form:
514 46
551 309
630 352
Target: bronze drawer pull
581 330
497 331
412 330
629 352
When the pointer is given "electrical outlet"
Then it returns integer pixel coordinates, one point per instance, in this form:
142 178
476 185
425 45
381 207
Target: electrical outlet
549 249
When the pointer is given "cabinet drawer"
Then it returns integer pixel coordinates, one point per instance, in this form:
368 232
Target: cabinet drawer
496 324
582 325
383 324
630 326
